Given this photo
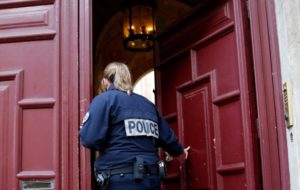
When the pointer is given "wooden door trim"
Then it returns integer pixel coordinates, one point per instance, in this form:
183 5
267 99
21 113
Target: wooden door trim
85 83
4 4
269 97
68 94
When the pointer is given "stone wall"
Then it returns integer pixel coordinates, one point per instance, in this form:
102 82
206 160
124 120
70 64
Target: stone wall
288 26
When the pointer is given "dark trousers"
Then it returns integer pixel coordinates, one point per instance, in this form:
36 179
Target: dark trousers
126 182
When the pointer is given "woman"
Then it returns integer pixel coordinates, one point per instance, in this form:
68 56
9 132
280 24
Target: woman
127 130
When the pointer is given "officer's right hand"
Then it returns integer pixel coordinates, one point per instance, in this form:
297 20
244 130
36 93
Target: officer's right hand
186 151
168 158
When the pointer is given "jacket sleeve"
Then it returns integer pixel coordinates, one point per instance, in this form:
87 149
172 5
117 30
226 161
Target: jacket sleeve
167 138
95 124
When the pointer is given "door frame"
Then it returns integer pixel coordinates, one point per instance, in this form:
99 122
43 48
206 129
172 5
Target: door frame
85 84
266 61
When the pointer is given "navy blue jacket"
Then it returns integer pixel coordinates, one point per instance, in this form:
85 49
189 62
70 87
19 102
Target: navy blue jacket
123 126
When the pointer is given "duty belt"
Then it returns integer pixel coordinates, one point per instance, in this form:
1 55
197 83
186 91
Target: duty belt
148 169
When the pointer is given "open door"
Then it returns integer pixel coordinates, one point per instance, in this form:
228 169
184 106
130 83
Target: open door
38 94
206 93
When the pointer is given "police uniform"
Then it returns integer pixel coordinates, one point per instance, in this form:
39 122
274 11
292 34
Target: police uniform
122 127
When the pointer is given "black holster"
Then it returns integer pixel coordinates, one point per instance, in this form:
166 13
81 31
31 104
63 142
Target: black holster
162 169
138 169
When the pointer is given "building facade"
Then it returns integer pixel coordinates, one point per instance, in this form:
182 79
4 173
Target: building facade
220 69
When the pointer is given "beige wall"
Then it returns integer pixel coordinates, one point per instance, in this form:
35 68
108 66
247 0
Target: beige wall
145 86
288 25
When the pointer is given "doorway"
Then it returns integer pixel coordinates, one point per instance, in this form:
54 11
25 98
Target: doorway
100 53
205 112
108 43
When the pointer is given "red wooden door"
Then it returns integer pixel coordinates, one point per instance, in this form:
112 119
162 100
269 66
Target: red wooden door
38 94
205 91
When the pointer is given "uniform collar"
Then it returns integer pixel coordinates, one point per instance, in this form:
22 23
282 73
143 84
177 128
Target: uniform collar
112 87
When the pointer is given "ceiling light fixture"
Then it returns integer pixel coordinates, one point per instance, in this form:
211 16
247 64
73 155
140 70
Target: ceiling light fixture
139 25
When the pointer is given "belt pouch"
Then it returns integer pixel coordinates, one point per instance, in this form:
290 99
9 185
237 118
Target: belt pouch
138 169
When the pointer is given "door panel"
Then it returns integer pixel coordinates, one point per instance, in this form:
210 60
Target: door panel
181 65
10 88
208 69
220 55
195 114
37 118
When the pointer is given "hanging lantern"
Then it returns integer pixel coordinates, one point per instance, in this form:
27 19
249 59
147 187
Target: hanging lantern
139 25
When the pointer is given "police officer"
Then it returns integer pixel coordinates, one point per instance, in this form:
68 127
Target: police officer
127 130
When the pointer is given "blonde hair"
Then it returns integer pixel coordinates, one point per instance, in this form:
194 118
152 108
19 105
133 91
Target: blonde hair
119 74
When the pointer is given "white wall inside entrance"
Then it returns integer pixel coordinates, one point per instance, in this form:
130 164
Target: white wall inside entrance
145 86
288 26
